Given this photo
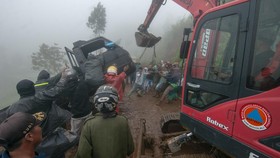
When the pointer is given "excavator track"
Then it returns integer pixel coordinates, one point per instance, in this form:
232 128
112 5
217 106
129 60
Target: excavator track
155 146
170 123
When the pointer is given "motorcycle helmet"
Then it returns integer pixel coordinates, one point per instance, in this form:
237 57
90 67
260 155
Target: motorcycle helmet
106 99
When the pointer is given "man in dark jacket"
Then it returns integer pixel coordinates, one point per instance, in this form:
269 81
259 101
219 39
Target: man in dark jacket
44 81
30 102
80 106
94 72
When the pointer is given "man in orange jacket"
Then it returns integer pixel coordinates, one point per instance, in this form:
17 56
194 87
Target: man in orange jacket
116 80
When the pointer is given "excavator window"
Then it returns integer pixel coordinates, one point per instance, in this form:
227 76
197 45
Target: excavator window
202 99
265 67
215 50
214 58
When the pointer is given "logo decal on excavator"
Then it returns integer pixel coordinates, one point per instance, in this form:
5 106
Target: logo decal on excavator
216 123
255 117
205 42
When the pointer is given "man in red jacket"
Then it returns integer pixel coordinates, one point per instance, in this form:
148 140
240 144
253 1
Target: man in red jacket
116 80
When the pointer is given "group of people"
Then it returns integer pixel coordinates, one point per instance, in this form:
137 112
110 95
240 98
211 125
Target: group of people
165 79
42 109
36 115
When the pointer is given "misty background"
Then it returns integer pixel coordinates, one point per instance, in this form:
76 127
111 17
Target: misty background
26 24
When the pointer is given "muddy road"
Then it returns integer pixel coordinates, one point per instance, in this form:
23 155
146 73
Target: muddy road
145 107
138 108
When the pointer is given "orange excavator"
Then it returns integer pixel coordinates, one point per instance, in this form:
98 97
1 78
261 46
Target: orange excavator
230 94
146 39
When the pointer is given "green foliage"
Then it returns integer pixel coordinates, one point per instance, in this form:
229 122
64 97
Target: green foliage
97 20
169 47
50 58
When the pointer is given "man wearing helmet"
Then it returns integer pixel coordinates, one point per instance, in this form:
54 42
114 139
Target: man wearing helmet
116 80
105 134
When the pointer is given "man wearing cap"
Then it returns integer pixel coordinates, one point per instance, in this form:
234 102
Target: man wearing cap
44 81
30 102
20 134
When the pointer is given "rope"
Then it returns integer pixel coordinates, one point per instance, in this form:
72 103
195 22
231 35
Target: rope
144 51
154 53
154 56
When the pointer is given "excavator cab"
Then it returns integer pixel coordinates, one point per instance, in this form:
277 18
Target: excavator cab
231 90
230 94
105 50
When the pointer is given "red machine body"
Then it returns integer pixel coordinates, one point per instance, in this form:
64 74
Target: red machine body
230 95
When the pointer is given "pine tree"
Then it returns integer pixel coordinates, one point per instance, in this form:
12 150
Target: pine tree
97 20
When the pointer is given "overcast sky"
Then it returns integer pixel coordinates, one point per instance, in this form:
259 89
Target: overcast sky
26 24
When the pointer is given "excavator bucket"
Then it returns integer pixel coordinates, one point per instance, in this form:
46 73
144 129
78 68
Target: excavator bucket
146 39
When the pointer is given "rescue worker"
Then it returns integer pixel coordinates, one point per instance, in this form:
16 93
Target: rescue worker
172 78
20 134
80 106
44 81
30 102
112 78
138 84
107 134
94 72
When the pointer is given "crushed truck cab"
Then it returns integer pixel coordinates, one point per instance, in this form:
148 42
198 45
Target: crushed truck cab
108 53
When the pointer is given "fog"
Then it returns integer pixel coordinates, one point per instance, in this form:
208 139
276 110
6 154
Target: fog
26 24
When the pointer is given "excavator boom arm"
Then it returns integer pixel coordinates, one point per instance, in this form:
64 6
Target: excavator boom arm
195 7
156 4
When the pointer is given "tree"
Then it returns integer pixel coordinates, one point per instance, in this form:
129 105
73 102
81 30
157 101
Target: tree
97 20
168 48
172 39
49 58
